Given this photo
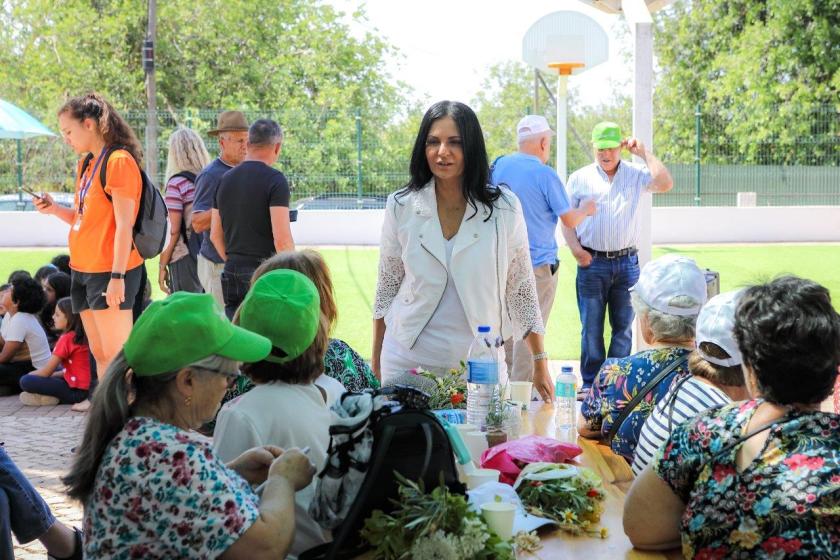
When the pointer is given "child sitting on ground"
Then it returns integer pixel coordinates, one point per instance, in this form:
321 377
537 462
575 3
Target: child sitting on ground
23 342
48 387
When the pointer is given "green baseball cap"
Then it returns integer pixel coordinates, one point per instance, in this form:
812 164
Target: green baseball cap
606 135
183 329
283 306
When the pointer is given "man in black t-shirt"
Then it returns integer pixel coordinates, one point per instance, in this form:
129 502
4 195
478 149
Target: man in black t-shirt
250 217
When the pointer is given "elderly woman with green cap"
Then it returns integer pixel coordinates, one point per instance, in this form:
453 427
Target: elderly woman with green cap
151 487
286 408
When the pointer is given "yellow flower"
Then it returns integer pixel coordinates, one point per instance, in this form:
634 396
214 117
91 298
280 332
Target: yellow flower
569 516
744 539
774 457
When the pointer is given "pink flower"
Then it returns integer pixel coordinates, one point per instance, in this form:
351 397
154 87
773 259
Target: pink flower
711 553
799 461
722 472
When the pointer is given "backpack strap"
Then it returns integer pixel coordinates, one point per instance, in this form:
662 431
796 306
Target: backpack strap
110 150
85 164
634 402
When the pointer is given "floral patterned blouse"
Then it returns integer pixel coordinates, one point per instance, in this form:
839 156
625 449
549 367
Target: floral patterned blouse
617 383
161 492
785 504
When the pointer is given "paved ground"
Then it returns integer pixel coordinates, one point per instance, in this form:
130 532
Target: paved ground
39 440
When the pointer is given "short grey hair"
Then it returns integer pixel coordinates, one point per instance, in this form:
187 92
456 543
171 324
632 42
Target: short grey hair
265 132
665 326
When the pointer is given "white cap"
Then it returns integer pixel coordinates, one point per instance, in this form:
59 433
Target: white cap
530 126
666 278
715 324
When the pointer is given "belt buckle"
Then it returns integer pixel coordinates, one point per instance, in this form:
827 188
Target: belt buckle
612 254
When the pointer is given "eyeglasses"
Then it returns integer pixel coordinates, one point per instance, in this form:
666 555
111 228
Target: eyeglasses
231 377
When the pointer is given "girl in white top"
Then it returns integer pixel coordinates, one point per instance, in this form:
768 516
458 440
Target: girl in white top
23 342
453 255
286 408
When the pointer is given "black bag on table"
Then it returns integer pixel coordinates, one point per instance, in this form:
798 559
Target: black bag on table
401 439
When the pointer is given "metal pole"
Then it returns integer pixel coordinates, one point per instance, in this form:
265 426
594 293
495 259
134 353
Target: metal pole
562 119
697 156
151 93
20 172
359 153
536 92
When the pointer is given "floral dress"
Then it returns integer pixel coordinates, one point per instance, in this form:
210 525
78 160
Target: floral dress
785 504
617 383
161 492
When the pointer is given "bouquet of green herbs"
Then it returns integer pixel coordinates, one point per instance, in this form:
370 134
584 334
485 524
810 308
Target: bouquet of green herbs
570 495
432 526
450 390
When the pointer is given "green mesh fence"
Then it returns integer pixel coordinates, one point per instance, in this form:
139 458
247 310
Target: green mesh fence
344 155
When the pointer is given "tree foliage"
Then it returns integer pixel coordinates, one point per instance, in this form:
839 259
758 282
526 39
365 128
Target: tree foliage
766 74
294 60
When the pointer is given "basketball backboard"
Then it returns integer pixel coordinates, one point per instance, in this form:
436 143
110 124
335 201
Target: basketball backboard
565 37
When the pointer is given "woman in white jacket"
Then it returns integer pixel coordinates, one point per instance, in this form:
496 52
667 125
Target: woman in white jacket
453 256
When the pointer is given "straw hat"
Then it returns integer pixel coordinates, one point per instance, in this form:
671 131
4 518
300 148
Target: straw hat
230 121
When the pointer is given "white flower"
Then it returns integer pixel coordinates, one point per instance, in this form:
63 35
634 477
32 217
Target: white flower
437 546
473 536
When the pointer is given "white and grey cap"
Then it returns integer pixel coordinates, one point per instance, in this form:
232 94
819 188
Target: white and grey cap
667 278
715 324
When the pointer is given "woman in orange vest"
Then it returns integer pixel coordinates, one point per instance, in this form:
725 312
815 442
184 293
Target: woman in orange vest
105 265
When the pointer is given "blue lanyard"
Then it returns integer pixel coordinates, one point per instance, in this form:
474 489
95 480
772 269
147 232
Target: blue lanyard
86 185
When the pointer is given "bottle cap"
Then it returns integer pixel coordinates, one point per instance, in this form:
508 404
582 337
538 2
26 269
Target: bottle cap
483 329
567 369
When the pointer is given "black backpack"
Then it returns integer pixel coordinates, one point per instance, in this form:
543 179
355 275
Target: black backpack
151 228
193 240
406 440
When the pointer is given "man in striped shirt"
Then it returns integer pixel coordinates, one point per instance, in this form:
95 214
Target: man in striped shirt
715 379
604 244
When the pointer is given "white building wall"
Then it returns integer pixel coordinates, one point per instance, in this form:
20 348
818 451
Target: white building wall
362 227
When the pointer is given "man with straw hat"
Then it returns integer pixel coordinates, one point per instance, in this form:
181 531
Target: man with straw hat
232 132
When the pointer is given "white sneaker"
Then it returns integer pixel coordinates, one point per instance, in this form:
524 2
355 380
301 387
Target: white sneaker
34 399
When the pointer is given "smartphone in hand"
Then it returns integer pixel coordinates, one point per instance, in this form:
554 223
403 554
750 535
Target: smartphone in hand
32 193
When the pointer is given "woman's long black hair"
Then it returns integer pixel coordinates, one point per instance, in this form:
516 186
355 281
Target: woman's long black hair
475 186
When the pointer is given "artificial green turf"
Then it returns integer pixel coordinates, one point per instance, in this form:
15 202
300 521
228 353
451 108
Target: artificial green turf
354 275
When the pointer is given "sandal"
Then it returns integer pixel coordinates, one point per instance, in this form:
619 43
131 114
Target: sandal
78 547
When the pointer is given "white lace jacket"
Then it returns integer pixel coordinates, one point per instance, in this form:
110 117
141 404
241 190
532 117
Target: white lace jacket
491 265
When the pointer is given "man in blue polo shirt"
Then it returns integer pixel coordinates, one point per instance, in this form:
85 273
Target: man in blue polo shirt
232 131
543 200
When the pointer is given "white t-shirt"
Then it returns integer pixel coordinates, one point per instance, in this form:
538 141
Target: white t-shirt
25 327
287 416
692 397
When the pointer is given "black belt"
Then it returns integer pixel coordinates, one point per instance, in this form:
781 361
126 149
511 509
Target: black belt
629 251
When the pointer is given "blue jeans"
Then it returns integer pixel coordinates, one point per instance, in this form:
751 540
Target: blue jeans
52 387
22 510
236 281
603 285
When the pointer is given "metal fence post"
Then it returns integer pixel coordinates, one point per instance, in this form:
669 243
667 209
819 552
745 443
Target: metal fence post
359 153
697 156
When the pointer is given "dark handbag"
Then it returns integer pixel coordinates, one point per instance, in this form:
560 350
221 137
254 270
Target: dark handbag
634 402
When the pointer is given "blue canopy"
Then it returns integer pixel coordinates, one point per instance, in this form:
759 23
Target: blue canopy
17 124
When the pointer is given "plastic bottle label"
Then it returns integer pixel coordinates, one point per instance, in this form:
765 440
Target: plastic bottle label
482 372
564 390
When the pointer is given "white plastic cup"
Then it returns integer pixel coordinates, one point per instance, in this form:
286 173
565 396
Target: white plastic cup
480 476
476 442
520 391
499 517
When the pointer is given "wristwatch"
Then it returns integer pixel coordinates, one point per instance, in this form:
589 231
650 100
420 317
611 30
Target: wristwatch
118 276
540 356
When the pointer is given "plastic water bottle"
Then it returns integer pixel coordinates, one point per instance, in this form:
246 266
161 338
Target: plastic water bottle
566 395
482 376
